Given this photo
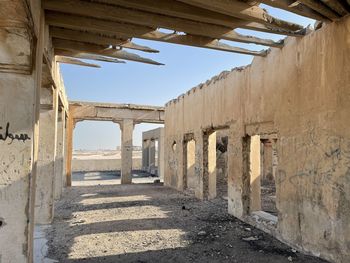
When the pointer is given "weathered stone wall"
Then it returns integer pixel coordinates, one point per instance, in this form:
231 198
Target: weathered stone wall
301 93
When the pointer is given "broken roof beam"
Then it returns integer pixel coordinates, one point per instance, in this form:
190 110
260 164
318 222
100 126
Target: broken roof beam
107 27
119 14
73 61
321 8
244 11
98 39
81 47
295 7
67 53
182 10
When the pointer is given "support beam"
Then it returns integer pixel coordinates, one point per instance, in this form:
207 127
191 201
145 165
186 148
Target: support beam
182 10
82 23
74 61
69 149
47 155
97 39
127 128
244 11
100 50
295 7
320 8
119 14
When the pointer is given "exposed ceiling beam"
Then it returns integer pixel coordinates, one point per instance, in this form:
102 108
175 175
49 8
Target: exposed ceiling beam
182 10
336 6
107 27
320 8
295 7
119 14
82 47
68 53
74 61
98 39
244 11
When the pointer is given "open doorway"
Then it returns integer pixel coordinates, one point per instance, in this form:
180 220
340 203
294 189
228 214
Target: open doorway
96 152
222 163
189 176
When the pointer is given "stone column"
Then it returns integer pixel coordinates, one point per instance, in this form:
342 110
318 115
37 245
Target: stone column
202 183
47 155
152 155
69 149
59 163
127 128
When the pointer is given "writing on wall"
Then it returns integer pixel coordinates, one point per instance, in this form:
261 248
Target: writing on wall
5 134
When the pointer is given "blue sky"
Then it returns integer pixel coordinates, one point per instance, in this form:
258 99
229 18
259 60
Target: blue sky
146 84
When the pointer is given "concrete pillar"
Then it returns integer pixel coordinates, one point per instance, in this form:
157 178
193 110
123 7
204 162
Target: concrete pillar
59 163
210 154
255 166
200 191
145 155
47 156
69 149
20 82
127 128
152 155
161 156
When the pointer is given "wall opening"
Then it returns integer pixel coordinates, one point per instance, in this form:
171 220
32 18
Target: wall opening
261 160
222 163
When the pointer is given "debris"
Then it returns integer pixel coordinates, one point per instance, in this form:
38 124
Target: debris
202 233
250 238
290 259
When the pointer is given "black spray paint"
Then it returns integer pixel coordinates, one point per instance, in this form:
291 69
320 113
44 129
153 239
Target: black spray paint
11 136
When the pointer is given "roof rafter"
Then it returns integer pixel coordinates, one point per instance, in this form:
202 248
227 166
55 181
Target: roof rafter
321 8
98 39
119 14
67 53
108 27
295 7
182 10
74 61
100 50
244 11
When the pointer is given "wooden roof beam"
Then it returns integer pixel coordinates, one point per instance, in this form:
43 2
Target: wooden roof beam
119 14
81 47
336 6
295 7
97 39
73 61
244 11
107 27
321 8
182 10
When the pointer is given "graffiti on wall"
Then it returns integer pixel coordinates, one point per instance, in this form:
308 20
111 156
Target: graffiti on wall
5 135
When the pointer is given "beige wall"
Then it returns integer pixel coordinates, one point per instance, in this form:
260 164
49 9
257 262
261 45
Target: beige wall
302 93
93 165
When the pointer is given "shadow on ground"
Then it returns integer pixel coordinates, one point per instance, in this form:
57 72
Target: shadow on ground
152 223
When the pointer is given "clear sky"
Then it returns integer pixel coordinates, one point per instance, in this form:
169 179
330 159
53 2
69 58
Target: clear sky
146 84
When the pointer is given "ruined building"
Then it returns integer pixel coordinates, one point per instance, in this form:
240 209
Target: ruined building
273 138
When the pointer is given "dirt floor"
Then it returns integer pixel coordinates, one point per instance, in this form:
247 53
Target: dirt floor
100 221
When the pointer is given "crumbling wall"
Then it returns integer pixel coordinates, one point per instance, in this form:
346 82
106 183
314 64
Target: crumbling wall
301 93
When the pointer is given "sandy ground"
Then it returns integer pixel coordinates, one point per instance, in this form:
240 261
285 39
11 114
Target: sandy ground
101 221
103 154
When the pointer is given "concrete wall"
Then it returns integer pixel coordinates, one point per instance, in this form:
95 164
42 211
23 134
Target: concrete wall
301 93
91 165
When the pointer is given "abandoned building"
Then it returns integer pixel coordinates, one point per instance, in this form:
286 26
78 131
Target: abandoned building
271 139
